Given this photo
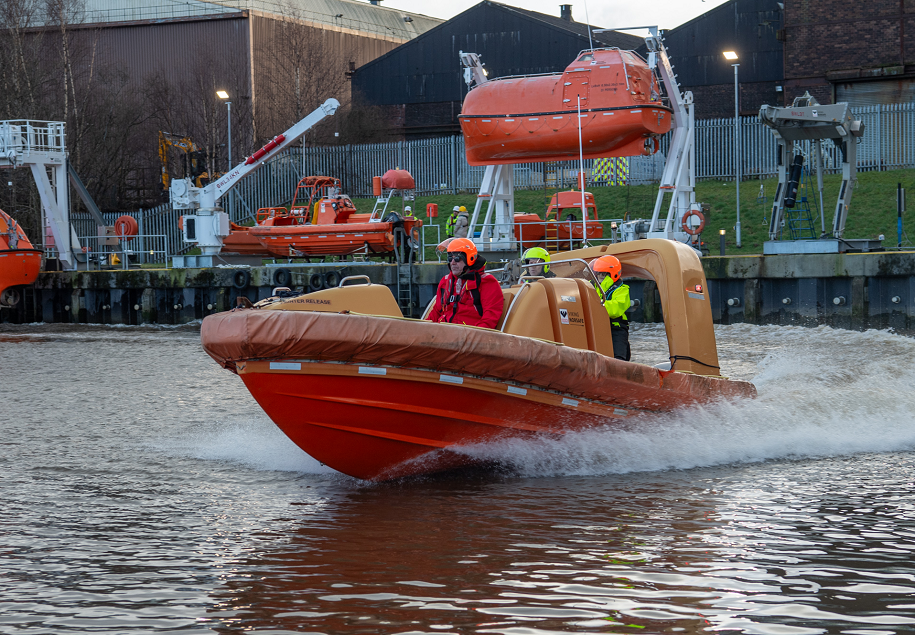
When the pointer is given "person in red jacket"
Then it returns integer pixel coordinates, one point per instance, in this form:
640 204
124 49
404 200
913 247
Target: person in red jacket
467 295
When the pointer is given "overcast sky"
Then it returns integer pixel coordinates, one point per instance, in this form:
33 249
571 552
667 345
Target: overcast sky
609 14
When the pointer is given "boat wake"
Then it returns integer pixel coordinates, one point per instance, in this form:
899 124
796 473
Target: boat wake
822 392
255 443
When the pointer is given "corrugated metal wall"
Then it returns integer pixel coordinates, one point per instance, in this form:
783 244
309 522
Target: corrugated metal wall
745 26
173 49
427 69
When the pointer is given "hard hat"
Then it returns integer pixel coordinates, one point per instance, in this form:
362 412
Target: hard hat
608 264
539 253
408 209
456 209
465 246
463 209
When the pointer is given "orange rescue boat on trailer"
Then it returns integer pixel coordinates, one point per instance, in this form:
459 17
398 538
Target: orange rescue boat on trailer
322 222
20 261
533 118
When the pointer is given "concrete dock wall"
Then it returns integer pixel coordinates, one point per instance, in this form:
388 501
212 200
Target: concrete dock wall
852 291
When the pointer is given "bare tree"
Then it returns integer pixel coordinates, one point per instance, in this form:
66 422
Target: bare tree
301 65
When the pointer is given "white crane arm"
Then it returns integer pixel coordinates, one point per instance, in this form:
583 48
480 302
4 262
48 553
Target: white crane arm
185 196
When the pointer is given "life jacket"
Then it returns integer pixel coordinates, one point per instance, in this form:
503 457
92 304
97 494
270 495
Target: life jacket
472 276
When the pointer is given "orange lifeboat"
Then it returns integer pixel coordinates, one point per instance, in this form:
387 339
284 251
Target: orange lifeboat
20 262
562 223
532 118
324 222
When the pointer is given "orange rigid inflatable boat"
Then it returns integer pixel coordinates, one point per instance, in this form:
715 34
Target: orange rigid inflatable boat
534 118
377 396
20 262
324 222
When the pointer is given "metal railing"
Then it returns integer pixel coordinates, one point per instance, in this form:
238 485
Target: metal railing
99 250
888 144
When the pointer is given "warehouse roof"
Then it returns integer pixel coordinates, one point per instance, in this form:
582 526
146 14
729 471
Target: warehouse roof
345 14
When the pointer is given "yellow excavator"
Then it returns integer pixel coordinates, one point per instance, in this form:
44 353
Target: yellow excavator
194 159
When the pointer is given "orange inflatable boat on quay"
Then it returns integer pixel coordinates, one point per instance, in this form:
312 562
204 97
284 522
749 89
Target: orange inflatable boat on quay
324 222
20 262
534 118
562 223
377 396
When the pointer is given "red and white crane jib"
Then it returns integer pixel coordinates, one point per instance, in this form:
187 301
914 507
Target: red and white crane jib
208 196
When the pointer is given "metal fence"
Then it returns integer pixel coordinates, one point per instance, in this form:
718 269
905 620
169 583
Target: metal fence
439 167
888 144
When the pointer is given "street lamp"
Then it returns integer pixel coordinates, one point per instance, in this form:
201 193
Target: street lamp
730 56
224 95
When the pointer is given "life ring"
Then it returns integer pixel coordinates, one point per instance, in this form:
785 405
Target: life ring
282 277
692 231
316 282
241 279
331 279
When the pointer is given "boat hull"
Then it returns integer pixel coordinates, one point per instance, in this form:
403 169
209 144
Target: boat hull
325 240
406 423
18 267
240 241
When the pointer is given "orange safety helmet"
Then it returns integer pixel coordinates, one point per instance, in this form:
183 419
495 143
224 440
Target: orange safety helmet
609 264
466 246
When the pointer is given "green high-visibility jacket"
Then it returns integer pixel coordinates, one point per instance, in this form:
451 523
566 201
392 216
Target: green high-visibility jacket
618 301
449 225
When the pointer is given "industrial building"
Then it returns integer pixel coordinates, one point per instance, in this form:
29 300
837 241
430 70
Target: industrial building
421 83
750 28
120 71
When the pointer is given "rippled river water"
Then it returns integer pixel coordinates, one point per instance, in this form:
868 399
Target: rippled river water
143 490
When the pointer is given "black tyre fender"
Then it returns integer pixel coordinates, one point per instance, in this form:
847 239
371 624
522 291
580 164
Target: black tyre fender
282 277
316 282
331 279
241 279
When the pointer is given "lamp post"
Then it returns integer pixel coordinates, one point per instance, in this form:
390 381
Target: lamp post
731 55
721 233
224 95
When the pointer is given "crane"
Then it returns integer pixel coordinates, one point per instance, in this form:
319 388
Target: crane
210 224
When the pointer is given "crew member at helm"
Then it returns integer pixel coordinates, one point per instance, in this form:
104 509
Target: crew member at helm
615 295
467 295
533 256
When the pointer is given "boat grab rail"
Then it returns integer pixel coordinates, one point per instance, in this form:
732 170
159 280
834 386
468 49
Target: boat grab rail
368 281
526 282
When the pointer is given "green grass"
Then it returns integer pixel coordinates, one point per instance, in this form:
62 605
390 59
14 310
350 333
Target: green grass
872 212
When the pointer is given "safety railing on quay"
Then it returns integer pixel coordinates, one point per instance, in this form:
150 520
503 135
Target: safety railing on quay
105 250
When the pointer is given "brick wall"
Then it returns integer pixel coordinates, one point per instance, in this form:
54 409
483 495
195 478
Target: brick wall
718 101
828 41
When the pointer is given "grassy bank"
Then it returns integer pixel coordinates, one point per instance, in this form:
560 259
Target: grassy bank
873 209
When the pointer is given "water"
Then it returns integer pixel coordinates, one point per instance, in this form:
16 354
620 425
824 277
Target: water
143 490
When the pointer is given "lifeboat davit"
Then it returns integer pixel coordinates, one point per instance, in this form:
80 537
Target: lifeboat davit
324 222
534 118
377 396
20 262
